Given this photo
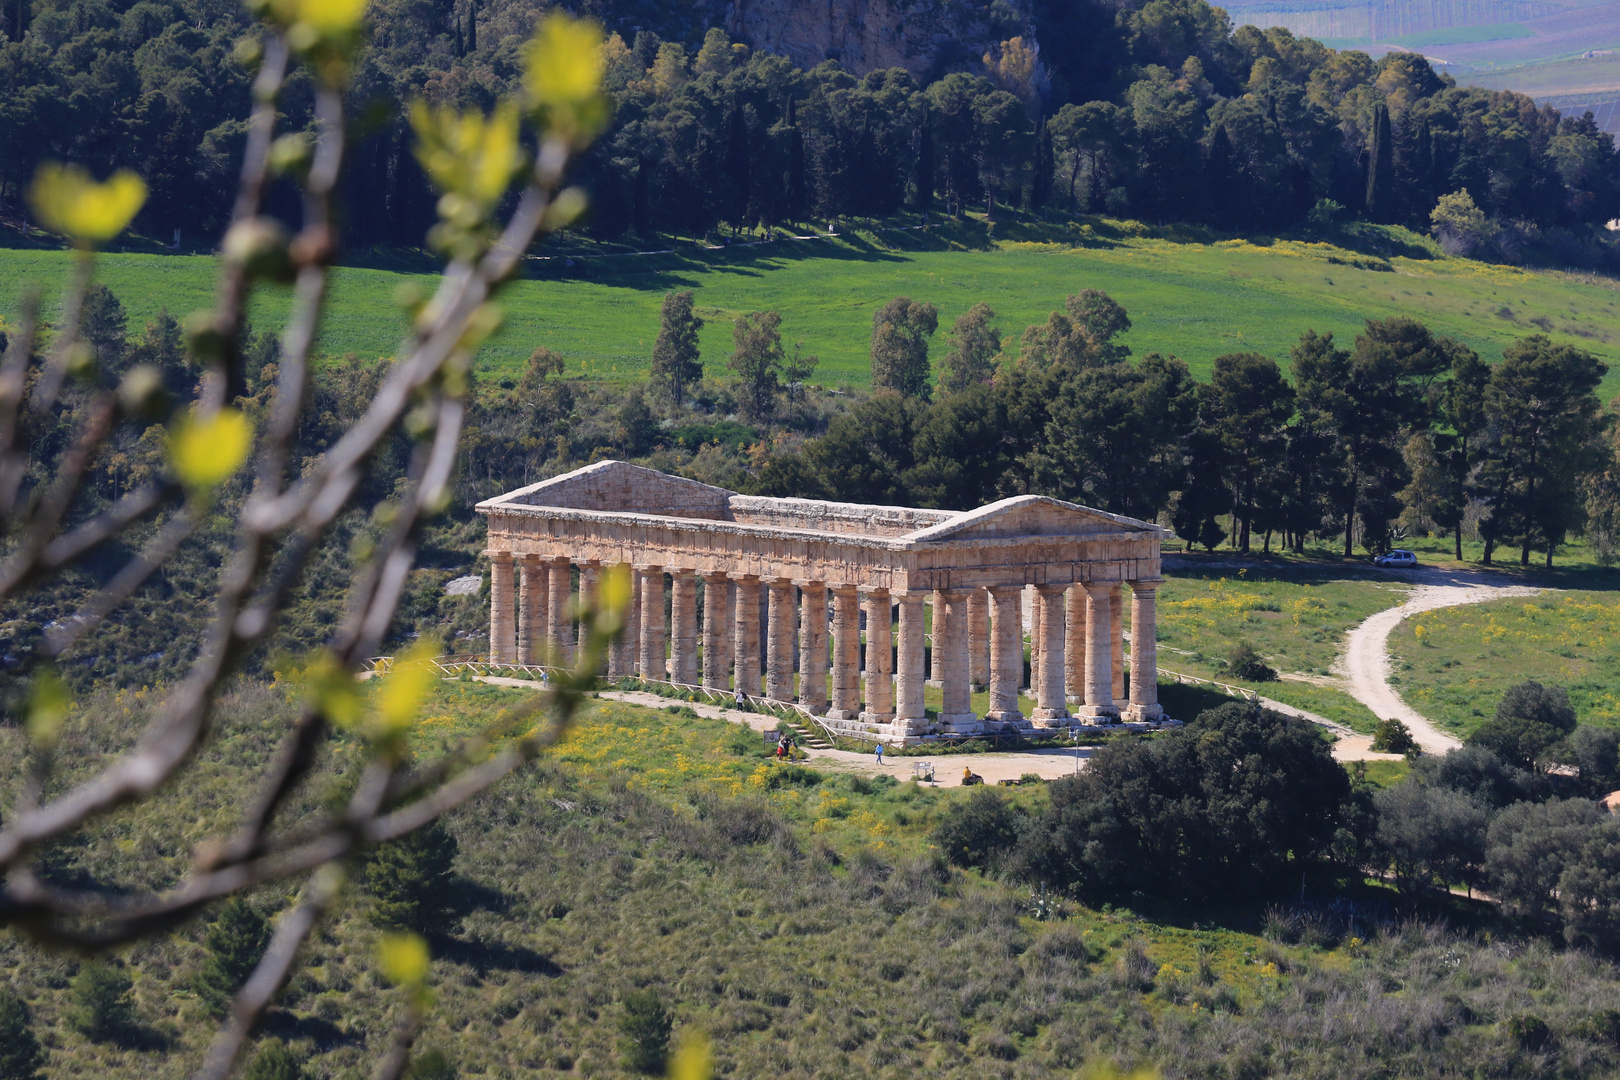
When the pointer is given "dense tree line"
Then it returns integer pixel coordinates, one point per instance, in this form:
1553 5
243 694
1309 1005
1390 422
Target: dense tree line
1158 110
1405 430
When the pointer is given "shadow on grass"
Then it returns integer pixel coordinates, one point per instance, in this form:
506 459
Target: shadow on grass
487 956
290 1027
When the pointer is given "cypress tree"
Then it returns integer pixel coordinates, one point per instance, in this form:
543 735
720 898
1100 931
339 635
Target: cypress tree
795 173
1220 181
1040 187
925 161
641 208
21 1056
412 881
738 169
235 943
675 358
1380 166
472 26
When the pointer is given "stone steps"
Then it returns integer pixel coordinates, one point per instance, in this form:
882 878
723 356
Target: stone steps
809 735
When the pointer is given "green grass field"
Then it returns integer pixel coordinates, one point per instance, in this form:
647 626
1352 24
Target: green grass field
1452 665
1459 35
1196 300
1294 616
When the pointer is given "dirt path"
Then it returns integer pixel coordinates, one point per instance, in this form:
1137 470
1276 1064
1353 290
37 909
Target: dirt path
1366 659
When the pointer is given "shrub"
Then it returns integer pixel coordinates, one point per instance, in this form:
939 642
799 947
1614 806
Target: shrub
791 776
1530 1032
274 1062
1247 664
235 942
645 1027
102 1004
21 1056
1393 737
1530 720
431 1064
1233 803
980 830
1475 771
412 881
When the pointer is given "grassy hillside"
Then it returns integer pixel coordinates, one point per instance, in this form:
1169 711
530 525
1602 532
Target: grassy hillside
803 920
1196 300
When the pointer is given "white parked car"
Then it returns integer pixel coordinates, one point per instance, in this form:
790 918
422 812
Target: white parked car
1397 557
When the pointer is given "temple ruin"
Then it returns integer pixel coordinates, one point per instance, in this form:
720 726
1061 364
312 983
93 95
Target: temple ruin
752 582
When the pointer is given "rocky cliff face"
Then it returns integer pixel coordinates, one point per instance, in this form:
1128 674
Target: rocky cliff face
926 37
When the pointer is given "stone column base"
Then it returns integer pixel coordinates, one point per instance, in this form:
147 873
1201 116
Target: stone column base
883 718
1098 714
1144 712
960 723
842 714
1005 716
1052 718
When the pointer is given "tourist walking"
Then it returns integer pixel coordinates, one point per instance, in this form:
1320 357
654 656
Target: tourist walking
880 753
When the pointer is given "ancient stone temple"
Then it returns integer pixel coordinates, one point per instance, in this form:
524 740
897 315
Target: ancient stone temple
849 610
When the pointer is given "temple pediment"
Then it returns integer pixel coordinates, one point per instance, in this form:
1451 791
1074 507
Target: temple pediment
1033 515
620 487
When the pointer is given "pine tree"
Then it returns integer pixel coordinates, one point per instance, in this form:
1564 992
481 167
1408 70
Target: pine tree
21 1056
235 943
105 326
645 1026
1380 167
412 881
676 359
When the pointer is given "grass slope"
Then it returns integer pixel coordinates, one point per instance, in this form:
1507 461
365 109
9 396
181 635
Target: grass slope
1196 300
800 918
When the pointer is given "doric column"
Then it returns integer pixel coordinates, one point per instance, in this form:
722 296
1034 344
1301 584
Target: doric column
1050 706
652 624
590 575
846 654
531 613
746 638
1144 651
1006 652
683 639
1099 654
951 663
1116 637
716 631
560 613
1074 644
630 642
813 645
909 715
502 628
1036 643
936 603
779 641
978 613
879 659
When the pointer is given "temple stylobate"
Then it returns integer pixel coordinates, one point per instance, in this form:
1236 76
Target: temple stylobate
771 596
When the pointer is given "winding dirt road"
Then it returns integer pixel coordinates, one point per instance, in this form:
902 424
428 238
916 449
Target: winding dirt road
1366 658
